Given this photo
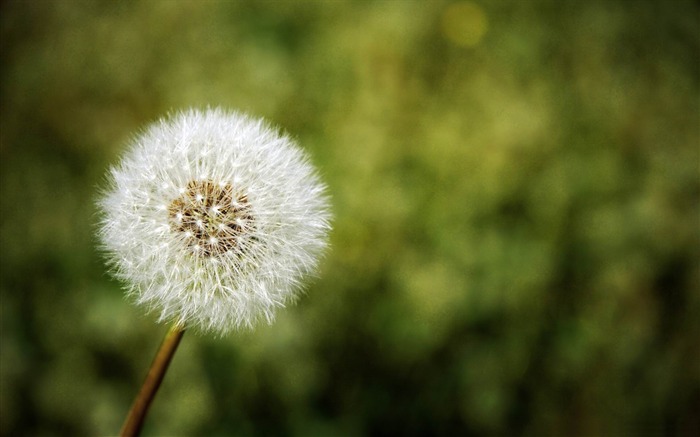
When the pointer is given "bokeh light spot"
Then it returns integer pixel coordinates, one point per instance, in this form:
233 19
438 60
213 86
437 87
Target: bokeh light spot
464 23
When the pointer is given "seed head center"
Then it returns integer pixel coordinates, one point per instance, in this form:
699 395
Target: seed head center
212 217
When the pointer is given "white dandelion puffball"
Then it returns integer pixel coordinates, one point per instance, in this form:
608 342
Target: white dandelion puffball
213 218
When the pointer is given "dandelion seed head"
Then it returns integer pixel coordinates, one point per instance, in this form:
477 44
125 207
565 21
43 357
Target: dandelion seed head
213 219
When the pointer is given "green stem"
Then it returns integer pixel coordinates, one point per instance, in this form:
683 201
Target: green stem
139 409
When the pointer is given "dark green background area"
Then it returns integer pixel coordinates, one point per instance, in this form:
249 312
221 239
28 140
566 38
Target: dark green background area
516 239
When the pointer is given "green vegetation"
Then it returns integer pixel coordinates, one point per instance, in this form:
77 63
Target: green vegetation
516 189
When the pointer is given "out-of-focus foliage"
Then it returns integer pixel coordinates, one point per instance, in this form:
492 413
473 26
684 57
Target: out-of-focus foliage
516 190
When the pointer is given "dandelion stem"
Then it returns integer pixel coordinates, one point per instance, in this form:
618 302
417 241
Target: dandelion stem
137 414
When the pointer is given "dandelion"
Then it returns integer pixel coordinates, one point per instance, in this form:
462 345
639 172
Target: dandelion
212 220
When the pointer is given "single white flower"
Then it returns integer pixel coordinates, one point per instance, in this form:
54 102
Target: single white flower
213 218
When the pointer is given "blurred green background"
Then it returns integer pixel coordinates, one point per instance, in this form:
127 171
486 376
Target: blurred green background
516 190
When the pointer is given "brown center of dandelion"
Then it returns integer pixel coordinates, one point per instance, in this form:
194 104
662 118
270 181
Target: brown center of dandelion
213 217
